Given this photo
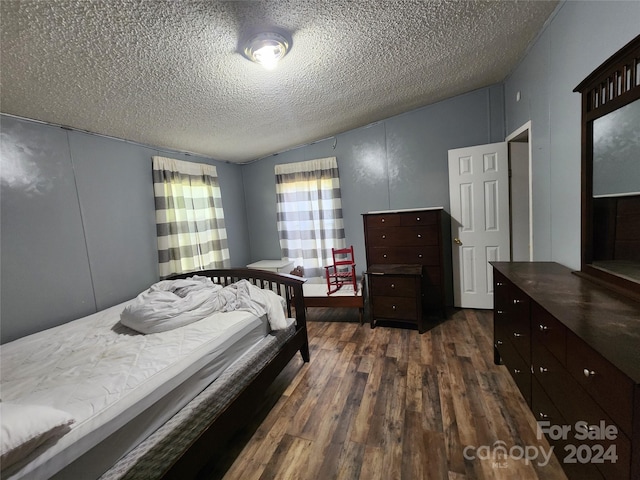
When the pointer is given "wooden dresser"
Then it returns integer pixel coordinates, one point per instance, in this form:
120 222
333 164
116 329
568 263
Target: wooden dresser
573 349
407 237
396 293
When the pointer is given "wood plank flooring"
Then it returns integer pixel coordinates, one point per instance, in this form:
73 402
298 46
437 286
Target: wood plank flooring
389 403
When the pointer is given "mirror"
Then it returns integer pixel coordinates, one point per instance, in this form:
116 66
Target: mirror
611 171
616 153
616 192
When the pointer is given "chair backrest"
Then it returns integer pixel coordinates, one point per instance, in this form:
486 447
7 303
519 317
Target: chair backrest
343 256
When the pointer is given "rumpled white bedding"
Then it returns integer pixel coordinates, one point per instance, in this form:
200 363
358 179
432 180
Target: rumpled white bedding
170 304
104 374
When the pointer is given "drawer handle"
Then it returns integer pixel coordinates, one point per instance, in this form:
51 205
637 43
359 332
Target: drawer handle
543 328
543 415
499 284
384 256
419 255
588 373
417 219
393 285
393 307
499 312
498 342
384 236
517 371
516 301
382 220
543 370
518 335
419 236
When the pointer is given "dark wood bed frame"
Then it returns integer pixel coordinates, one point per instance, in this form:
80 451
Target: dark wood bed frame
200 454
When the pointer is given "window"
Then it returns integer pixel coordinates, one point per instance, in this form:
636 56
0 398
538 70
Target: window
309 212
189 217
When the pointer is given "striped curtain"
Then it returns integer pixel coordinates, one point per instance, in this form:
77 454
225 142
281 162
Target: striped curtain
309 213
189 217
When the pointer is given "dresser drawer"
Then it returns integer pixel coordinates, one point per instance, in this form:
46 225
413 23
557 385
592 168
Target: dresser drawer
506 330
521 340
403 236
556 381
419 218
382 220
547 331
519 324
611 388
500 290
544 410
518 305
393 286
421 255
500 327
543 407
518 368
399 308
515 328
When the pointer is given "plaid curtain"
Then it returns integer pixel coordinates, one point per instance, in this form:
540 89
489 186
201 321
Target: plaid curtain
189 217
309 213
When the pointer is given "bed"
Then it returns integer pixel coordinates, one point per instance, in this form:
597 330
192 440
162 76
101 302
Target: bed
154 405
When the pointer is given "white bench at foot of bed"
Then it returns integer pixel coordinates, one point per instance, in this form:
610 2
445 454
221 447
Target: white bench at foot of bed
315 295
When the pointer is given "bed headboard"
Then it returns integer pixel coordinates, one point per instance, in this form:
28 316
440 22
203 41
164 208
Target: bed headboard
287 286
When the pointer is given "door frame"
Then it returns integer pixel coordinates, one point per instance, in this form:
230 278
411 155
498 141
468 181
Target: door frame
517 134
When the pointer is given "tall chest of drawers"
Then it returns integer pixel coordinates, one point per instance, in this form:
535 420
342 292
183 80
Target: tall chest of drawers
407 237
573 349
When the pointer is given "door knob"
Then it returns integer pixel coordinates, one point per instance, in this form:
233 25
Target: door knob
457 240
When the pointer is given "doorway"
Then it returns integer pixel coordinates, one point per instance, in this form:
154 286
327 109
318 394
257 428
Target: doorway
520 194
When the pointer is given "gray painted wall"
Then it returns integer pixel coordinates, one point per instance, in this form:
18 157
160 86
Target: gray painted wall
581 36
78 223
397 163
45 275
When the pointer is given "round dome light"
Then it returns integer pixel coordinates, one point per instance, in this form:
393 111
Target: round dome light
267 49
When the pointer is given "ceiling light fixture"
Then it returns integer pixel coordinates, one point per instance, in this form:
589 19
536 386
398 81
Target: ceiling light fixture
267 49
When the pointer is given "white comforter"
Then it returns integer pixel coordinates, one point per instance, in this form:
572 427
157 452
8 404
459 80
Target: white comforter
170 304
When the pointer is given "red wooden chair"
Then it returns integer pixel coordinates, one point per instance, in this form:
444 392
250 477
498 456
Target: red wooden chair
343 270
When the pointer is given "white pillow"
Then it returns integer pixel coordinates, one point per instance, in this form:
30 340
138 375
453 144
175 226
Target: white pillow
26 427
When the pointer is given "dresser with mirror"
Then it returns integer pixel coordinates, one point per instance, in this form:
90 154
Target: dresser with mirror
571 339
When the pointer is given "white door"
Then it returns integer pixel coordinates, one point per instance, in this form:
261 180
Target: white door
479 196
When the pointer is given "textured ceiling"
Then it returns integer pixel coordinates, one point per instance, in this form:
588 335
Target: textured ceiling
169 73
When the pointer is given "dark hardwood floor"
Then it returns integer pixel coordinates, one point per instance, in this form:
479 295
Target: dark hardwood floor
390 403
